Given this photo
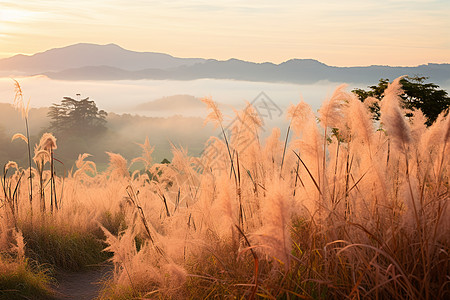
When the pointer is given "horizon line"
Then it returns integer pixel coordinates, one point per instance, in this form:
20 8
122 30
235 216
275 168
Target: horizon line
2 57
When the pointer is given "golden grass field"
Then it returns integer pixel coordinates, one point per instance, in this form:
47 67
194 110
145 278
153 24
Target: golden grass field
343 207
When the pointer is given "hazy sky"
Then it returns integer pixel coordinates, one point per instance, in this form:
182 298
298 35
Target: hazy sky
341 33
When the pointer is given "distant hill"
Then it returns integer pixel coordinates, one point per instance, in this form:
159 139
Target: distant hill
89 55
175 104
111 62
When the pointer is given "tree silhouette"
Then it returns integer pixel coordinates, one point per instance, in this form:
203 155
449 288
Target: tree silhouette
427 97
77 117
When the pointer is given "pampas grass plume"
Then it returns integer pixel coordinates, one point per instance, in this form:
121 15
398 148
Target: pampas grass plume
274 237
392 116
215 116
117 165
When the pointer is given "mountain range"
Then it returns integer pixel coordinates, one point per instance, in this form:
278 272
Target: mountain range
112 62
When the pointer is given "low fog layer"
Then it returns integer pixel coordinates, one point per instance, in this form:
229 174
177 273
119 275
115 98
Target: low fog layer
121 136
176 104
124 95
170 112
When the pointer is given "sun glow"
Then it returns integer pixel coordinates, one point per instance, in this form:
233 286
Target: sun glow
10 15
13 22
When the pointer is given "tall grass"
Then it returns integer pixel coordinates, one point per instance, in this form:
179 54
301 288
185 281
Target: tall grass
20 106
343 208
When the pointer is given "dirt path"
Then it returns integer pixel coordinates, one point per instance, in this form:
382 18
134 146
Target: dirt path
82 285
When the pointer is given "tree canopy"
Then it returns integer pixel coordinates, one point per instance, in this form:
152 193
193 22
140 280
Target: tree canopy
77 117
427 97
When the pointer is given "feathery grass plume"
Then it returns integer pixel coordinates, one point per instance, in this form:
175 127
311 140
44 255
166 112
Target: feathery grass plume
11 165
43 151
418 126
118 166
331 113
215 116
429 144
274 239
304 125
299 116
410 193
311 150
19 136
203 212
182 180
370 102
139 268
272 148
392 116
18 103
162 176
246 148
360 121
245 137
47 142
146 157
251 118
214 156
123 247
359 138
420 162
446 135
180 160
84 167
225 208
182 164
174 277
444 124
245 128
41 157
144 273
447 130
